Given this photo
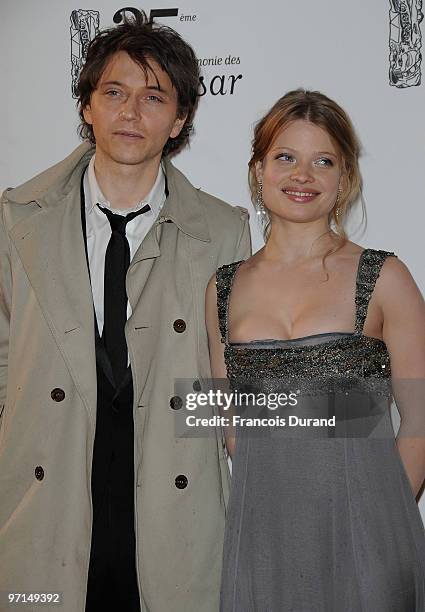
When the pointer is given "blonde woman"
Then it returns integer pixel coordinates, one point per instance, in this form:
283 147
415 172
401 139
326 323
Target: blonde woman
320 524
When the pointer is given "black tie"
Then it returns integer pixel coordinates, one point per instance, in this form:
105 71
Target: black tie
117 261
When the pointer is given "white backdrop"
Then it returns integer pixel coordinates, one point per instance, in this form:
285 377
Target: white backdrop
340 47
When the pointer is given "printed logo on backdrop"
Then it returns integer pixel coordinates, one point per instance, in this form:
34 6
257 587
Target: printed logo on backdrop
220 73
84 27
405 43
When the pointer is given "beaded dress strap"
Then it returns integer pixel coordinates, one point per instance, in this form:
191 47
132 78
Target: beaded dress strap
370 264
224 280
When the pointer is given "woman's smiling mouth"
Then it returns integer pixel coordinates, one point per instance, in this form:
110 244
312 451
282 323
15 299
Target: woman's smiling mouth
300 196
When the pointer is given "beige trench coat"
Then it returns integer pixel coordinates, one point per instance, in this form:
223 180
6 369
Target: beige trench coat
47 343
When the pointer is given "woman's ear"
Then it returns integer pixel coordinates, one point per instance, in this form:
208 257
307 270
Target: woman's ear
259 171
343 179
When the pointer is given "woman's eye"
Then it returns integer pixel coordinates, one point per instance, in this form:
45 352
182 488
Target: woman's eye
286 157
324 161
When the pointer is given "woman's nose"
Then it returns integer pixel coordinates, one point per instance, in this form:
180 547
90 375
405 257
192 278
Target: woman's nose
302 173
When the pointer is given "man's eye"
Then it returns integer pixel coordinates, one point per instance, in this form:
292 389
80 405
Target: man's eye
112 93
154 98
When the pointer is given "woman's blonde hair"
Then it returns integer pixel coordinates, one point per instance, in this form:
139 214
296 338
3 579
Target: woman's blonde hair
320 110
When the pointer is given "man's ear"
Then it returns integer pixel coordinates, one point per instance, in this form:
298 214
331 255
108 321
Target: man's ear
87 114
178 126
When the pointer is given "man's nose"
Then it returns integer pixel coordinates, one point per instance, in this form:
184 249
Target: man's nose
129 109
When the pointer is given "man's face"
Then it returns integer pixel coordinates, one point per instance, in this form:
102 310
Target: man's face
132 114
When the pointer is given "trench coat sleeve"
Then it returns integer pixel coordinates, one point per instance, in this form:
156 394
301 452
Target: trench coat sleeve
243 246
5 302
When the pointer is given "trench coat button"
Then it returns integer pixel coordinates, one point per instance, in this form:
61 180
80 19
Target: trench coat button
196 385
179 326
176 402
39 472
181 481
57 395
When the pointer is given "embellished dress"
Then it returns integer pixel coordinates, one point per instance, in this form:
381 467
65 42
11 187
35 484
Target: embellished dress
321 522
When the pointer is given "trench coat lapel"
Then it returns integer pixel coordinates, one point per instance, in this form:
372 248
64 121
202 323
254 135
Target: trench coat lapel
184 211
183 208
50 244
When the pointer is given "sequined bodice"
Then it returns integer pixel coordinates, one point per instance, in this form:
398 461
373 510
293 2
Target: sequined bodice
318 358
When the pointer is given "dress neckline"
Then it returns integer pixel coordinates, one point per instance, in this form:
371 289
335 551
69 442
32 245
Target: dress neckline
289 340
237 264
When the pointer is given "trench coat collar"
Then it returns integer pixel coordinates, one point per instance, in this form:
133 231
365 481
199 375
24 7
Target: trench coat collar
53 185
183 205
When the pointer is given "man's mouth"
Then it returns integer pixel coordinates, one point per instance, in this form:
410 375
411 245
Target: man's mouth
128 134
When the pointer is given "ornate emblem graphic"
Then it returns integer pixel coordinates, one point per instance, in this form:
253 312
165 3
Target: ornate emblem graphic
405 43
84 27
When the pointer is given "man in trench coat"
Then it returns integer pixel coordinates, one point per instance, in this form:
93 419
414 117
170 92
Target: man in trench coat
48 378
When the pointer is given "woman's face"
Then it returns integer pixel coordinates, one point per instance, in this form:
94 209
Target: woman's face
301 173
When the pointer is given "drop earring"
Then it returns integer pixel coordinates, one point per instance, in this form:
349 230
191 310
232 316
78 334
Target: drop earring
337 207
261 210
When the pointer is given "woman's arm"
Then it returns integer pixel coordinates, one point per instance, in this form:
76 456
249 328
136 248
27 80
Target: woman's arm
216 349
403 331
